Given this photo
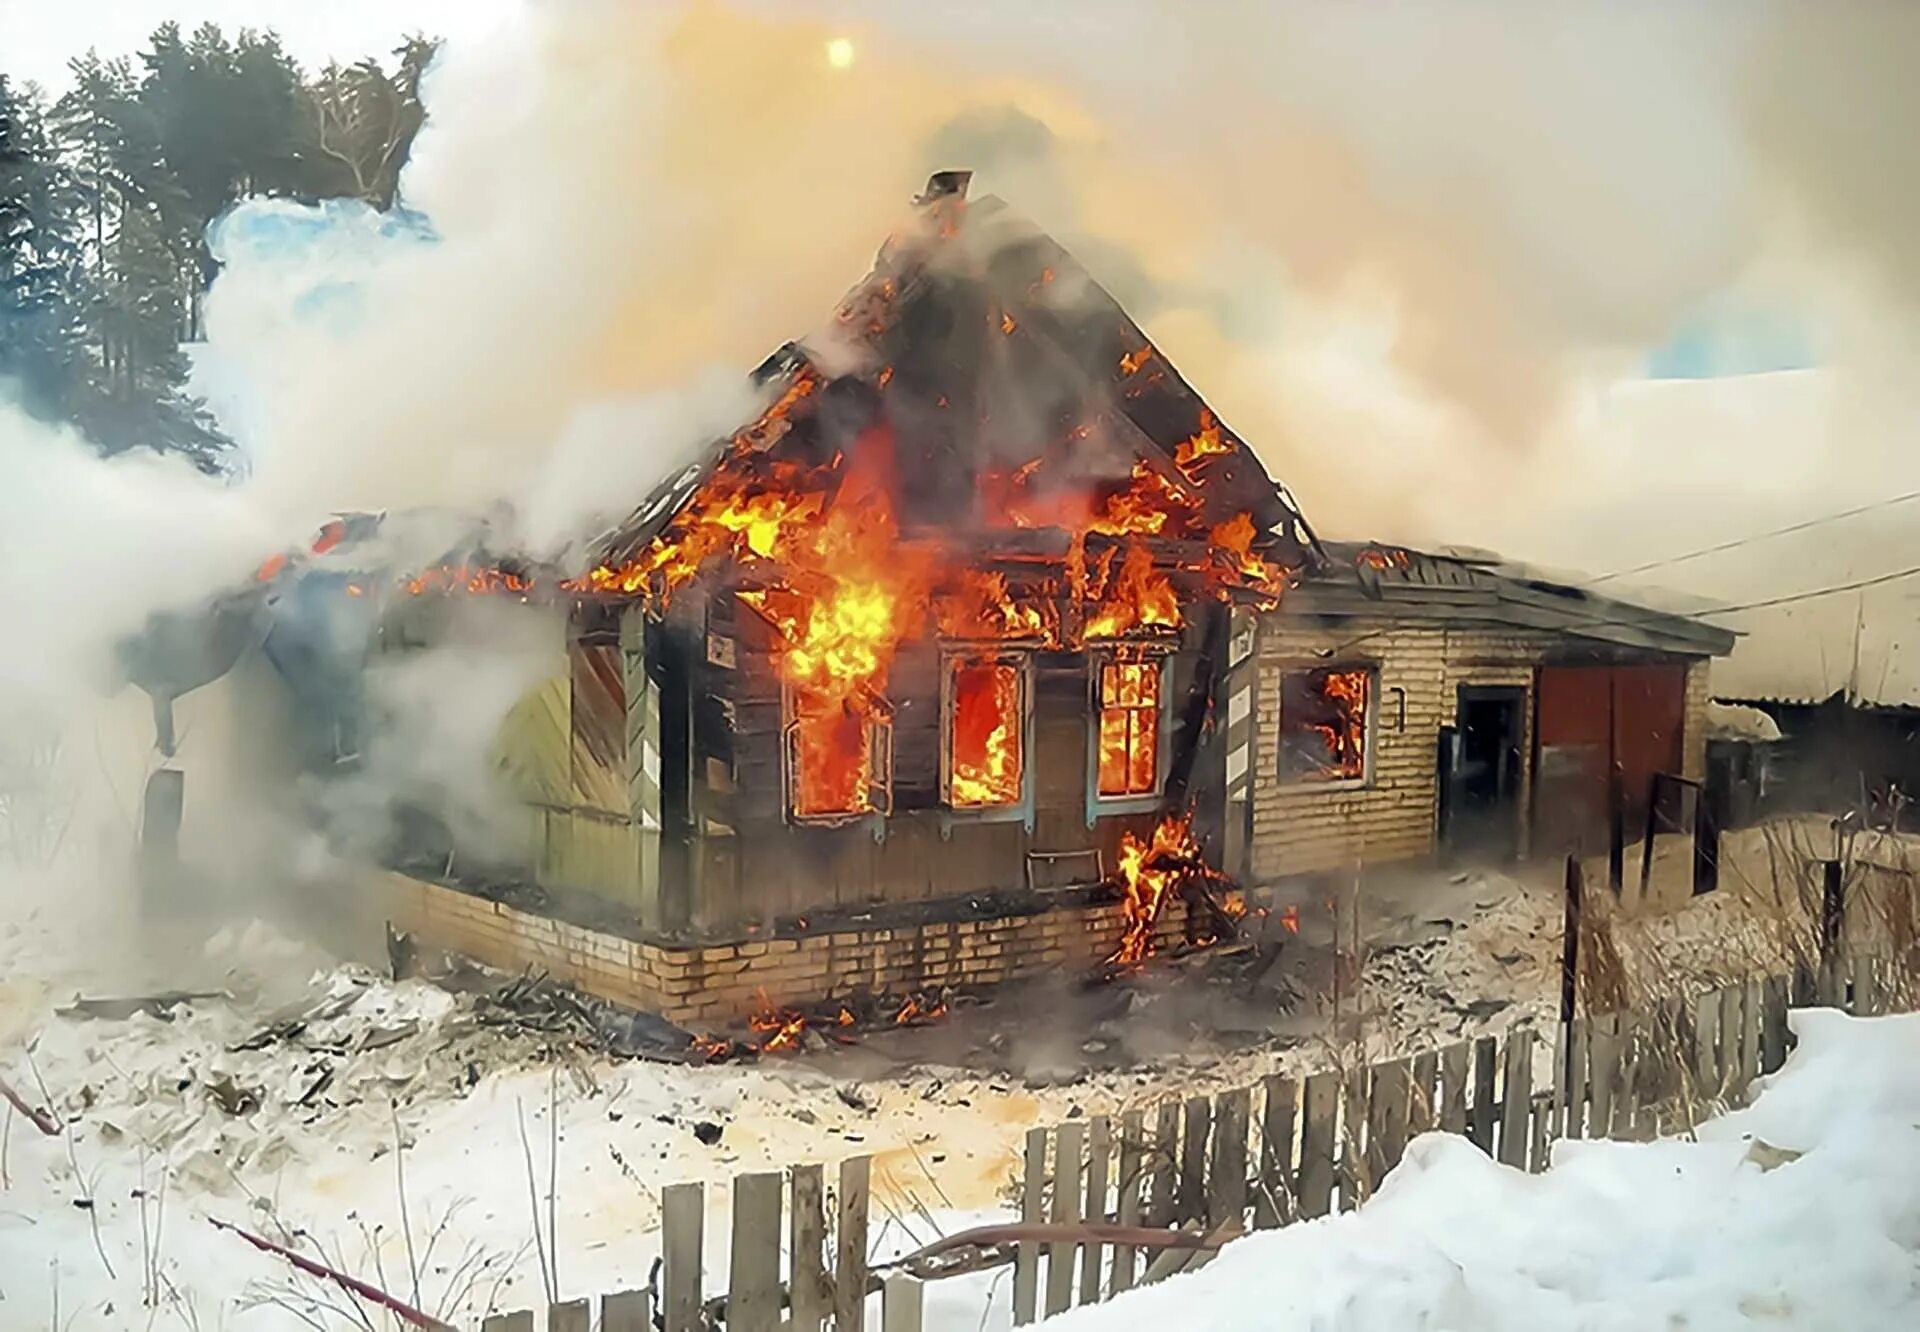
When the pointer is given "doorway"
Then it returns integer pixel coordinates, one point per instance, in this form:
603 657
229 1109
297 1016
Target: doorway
1480 790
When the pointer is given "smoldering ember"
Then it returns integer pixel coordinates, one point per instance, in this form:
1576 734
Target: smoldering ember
508 826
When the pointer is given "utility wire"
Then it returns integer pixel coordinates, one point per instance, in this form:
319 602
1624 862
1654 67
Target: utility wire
1738 542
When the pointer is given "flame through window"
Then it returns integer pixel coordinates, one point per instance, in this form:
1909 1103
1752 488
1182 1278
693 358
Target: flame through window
839 756
986 715
1129 727
1324 720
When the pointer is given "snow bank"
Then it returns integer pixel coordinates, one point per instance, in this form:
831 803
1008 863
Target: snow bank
1801 1212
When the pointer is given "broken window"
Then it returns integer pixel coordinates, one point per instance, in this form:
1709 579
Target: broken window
1325 724
839 755
1130 710
986 709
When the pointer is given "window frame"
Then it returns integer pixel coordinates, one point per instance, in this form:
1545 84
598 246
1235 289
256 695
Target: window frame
1098 805
879 784
1022 661
1369 758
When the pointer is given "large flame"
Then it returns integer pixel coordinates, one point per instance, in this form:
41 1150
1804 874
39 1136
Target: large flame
986 755
1345 737
1148 869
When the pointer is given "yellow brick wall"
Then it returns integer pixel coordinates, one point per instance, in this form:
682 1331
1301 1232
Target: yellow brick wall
706 987
1308 828
1694 741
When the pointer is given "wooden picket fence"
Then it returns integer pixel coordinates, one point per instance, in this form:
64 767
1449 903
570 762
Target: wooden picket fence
1255 1157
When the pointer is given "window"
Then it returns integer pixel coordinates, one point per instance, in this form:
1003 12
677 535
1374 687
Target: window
839 754
1326 720
985 702
1129 740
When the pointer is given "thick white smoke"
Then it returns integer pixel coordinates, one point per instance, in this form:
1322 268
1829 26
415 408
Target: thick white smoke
1416 255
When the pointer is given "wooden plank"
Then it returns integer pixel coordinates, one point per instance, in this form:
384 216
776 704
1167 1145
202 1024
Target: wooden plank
753 1284
1132 1183
1750 1020
1518 1092
1773 1024
1706 1047
1099 1153
1163 1204
571 1316
683 1215
1732 1005
1350 1159
808 1296
1624 1105
902 1305
1316 1144
1026 1257
1867 998
1545 1116
850 1246
1069 1141
1454 1064
1603 1066
1273 1201
1572 1079
1423 1104
628 1311
1480 1115
1196 1126
1227 1187
1387 1113
513 1322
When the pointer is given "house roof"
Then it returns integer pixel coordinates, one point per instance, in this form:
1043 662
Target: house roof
1367 579
1861 647
984 345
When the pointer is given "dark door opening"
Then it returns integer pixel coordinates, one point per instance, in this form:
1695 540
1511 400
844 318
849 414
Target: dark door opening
1480 800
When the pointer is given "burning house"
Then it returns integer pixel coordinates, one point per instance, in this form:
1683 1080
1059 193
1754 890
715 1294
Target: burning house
971 653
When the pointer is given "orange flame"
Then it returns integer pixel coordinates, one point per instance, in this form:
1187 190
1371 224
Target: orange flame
1141 597
1345 738
1129 736
917 1010
986 754
1209 442
1130 363
1147 870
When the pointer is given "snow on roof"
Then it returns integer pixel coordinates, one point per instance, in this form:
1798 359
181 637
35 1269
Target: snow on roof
1735 721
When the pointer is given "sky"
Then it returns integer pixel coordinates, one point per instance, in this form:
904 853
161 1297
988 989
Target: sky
38 37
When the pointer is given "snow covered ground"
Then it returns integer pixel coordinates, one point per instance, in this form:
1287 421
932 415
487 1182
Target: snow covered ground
1801 1212
168 1127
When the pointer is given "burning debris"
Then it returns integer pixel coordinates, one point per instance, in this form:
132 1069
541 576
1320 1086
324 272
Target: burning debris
777 1029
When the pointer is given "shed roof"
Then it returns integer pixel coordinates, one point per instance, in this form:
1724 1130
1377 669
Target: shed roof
1370 578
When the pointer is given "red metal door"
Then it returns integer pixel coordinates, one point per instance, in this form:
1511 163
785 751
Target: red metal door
1591 720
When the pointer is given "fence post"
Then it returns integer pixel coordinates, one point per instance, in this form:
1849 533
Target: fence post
521 1321
753 1286
1570 943
629 1311
1833 910
1706 844
1453 1087
1026 1257
1485 1061
1227 1190
1518 1090
571 1316
683 1209
901 1305
807 1294
850 1247
1068 1140
1274 1204
1132 1177
1099 1153
1316 1143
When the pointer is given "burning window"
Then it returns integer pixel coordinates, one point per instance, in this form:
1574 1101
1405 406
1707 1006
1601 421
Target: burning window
839 756
1130 696
986 732
1324 724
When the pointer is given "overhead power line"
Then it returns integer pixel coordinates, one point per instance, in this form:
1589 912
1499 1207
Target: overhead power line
1738 542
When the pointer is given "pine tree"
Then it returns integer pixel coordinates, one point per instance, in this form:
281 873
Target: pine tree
44 360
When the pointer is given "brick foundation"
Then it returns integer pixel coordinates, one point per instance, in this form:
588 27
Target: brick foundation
711 985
